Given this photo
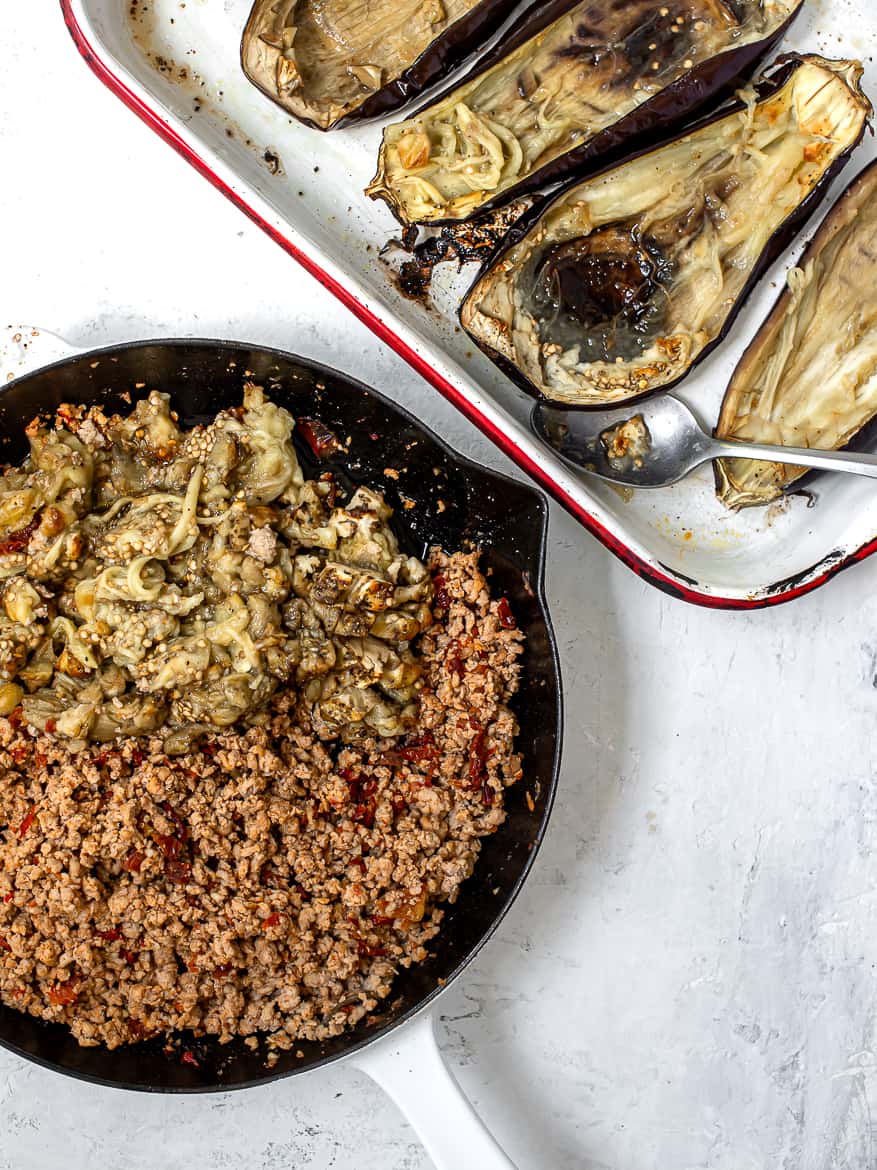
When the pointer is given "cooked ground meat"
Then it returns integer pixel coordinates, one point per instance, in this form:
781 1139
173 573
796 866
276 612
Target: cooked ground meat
270 882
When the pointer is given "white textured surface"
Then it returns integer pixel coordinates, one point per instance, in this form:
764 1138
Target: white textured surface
688 981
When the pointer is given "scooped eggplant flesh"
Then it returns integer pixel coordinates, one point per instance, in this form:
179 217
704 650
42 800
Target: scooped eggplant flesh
593 80
333 61
809 379
625 281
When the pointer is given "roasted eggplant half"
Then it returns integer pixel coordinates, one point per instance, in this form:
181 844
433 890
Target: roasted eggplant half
621 284
571 85
332 62
809 379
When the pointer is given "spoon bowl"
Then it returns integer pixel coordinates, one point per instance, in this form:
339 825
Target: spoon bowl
661 442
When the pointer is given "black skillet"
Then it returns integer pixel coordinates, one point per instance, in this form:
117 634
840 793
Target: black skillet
507 519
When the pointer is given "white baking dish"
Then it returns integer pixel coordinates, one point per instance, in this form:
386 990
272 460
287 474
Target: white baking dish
177 67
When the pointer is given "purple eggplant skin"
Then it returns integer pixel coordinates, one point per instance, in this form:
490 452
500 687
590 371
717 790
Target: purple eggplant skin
447 53
783 238
658 119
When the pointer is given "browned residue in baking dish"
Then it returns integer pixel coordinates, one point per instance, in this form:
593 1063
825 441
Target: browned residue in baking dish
464 243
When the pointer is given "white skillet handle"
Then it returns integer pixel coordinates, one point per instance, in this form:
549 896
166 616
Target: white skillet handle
24 348
409 1068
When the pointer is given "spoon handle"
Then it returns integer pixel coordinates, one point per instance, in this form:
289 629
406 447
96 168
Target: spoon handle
854 462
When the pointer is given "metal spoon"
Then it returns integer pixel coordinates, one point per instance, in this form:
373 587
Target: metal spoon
672 445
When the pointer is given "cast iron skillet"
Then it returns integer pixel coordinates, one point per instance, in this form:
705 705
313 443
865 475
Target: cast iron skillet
506 518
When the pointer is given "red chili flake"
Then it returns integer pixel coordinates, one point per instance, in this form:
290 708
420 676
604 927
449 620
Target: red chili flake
178 872
128 956
182 832
272 879
133 861
419 750
477 758
364 814
171 847
7 897
318 437
51 726
4 945
359 864
505 615
19 752
417 755
441 598
16 718
362 796
137 757
189 1058
18 541
271 920
19 993
65 993
28 820
109 935
372 952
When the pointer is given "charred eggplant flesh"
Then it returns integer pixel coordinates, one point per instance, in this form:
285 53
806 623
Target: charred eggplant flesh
809 379
570 84
329 62
625 281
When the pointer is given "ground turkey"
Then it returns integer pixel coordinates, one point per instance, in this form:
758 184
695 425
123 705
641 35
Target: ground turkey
270 882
